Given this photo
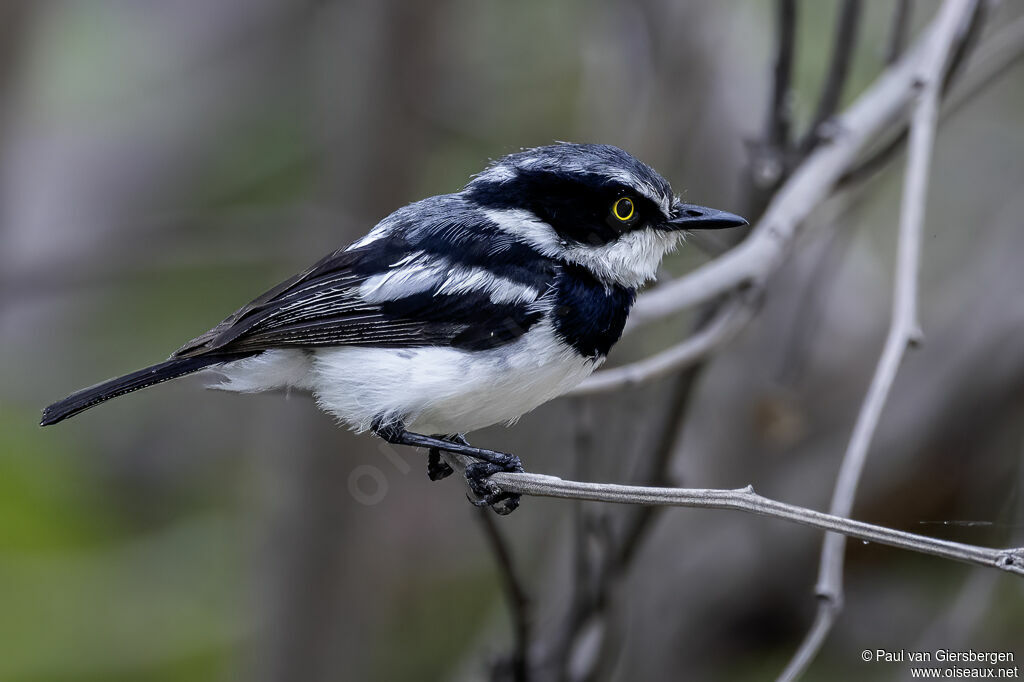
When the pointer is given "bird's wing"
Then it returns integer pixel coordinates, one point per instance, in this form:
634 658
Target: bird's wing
387 295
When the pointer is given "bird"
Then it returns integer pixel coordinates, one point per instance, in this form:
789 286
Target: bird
455 312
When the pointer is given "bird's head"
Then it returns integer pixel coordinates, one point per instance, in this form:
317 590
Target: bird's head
593 205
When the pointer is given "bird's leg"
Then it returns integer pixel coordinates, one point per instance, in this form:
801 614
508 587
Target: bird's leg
437 468
489 462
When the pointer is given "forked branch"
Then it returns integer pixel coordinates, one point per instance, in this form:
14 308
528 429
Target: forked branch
903 329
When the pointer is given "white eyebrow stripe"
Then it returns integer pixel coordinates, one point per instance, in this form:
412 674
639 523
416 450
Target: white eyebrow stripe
644 187
526 227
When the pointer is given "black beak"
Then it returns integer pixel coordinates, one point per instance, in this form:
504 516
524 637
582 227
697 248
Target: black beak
693 217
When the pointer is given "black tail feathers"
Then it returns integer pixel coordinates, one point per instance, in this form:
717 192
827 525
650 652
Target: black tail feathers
112 388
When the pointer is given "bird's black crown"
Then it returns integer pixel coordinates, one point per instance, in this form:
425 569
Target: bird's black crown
589 193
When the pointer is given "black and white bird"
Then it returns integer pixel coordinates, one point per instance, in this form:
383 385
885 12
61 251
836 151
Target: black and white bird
455 312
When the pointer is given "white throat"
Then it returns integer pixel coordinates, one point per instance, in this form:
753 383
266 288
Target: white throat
632 260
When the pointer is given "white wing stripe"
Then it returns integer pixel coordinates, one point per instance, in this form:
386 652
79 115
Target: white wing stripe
411 276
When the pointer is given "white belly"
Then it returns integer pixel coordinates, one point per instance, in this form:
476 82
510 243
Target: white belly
430 390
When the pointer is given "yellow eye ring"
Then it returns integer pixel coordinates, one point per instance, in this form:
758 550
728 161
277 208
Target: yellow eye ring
623 209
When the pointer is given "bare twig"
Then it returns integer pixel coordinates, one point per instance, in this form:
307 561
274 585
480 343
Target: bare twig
884 153
780 111
967 609
746 500
903 329
992 59
562 648
623 539
877 109
880 156
726 322
769 156
874 111
581 642
996 55
809 309
902 12
838 69
964 43
518 601
760 255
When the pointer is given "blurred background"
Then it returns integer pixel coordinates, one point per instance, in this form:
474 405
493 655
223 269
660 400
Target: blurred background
162 163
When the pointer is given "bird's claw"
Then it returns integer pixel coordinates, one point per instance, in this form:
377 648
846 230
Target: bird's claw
486 492
437 468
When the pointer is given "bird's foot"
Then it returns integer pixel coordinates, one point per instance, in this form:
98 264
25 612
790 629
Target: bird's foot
437 468
477 473
487 493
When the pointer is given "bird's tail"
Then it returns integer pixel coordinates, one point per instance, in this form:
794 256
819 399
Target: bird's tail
112 388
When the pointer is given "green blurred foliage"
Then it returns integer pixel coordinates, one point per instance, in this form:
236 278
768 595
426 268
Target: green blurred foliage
88 595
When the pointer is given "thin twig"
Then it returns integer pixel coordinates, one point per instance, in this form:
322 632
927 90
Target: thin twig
974 598
847 24
769 156
780 111
993 58
727 321
964 44
518 601
746 500
900 28
903 329
883 153
761 254
810 307
606 546
873 112
624 539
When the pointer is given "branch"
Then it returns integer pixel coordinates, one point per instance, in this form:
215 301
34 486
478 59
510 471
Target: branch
770 156
746 500
900 28
518 601
726 322
968 607
992 59
761 254
838 69
874 111
903 329
605 549
780 112
995 56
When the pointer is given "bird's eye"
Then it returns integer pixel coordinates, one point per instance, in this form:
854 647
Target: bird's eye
623 209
